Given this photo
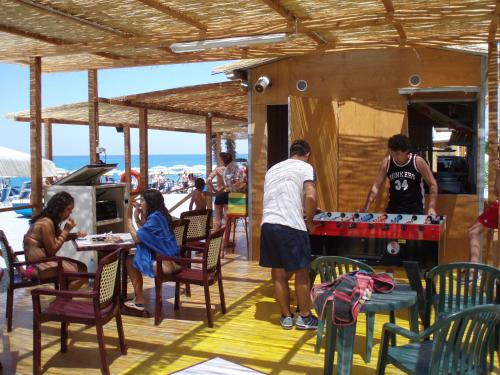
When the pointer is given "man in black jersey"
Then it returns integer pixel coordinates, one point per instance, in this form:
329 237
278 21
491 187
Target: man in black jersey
406 173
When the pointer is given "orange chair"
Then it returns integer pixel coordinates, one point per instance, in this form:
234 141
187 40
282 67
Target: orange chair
102 305
208 274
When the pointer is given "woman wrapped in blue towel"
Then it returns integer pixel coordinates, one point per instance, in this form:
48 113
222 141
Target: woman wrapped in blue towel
153 236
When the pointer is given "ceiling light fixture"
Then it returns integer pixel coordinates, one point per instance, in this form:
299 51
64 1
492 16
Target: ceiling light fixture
242 41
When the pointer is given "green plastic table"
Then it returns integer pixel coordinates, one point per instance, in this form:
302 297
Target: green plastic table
401 297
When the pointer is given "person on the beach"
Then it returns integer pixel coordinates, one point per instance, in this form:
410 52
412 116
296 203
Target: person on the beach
153 236
44 238
221 193
198 199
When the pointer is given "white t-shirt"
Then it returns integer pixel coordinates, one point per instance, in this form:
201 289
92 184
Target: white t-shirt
284 193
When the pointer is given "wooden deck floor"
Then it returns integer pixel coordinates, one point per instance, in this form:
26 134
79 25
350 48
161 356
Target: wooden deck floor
249 334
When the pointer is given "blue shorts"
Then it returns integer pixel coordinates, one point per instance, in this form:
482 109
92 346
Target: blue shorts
284 247
222 198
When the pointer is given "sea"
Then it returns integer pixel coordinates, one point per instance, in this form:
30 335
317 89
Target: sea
72 163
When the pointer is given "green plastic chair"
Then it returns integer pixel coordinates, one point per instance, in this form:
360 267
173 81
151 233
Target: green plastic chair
456 286
331 267
458 346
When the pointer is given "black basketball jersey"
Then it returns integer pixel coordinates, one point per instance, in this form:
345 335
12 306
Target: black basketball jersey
406 192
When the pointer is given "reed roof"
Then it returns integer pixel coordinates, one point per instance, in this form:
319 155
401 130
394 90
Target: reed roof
180 109
84 34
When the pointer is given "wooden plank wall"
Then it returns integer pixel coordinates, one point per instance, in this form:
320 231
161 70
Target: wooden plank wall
315 121
370 109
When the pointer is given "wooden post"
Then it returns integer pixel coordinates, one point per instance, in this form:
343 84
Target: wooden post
218 147
208 149
93 116
128 164
143 147
492 114
36 132
493 149
48 140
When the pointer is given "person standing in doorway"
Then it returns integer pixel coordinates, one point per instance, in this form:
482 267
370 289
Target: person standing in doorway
289 194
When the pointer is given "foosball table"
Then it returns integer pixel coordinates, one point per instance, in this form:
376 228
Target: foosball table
378 238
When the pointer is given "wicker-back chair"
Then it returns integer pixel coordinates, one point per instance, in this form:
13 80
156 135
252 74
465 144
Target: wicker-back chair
180 231
102 304
208 274
198 228
17 278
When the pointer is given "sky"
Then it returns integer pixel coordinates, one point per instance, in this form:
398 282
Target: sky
66 88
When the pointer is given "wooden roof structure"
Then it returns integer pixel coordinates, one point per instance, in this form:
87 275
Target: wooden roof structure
82 34
180 109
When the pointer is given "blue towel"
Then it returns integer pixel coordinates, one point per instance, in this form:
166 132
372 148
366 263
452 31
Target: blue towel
155 237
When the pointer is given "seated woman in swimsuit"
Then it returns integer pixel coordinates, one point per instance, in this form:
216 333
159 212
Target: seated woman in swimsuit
154 236
44 238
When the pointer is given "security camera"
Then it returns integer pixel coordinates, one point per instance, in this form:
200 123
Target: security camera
262 84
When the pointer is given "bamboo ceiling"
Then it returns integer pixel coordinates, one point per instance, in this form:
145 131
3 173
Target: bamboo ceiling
179 109
85 34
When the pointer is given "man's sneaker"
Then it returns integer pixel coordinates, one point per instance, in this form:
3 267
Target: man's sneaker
286 322
306 322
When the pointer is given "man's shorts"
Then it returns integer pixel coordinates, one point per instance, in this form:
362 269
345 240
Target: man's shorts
489 217
284 247
222 198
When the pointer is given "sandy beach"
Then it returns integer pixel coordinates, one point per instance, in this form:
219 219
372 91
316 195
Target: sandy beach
15 226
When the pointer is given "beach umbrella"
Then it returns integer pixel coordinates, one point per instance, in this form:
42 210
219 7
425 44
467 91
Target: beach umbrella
158 169
15 163
178 168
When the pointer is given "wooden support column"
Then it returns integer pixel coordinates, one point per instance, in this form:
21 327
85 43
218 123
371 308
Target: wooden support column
36 133
126 148
492 115
93 116
208 149
143 147
48 140
218 147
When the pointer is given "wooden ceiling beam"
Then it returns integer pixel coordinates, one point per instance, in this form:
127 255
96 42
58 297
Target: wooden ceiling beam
32 35
63 121
66 15
492 30
181 16
293 20
389 8
53 41
166 108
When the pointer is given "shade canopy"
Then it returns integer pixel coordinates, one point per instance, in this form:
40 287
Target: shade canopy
83 34
181 109
15 163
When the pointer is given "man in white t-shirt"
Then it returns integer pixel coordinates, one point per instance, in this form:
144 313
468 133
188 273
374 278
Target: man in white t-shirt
289 194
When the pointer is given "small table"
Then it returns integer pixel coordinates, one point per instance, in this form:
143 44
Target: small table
102 247
401 297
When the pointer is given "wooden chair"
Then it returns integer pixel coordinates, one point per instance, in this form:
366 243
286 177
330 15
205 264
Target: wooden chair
458 344
208 274
18 279
102 304
180 231
198 228
456 286
331 267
